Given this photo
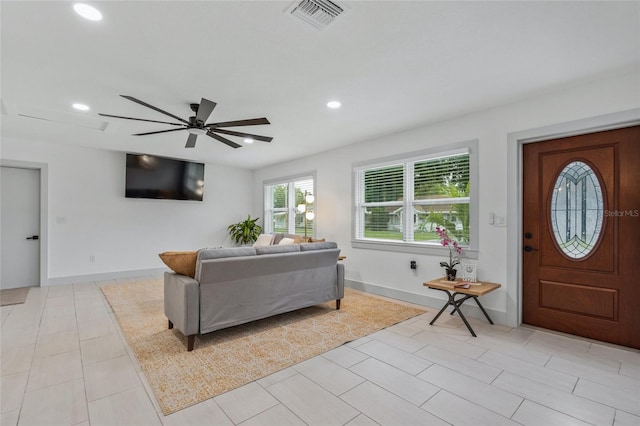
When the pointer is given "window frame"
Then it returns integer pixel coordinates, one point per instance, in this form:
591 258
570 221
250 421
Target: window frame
291 210
470 147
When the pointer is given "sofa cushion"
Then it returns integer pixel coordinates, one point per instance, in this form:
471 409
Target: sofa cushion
318 246
286 241
263 240
180 262
287 248
218 253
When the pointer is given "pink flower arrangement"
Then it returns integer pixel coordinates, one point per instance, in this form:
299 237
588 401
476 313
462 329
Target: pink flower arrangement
446 241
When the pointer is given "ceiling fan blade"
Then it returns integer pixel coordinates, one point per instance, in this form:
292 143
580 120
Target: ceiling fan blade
138 101
244 135
250 122
223 140
159 131
205 109
191 141
140 119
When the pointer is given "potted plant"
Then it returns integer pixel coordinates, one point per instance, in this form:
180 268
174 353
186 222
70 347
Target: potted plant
245 232
454 260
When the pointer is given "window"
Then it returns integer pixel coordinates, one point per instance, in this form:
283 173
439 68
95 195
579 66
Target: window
400 201
283 201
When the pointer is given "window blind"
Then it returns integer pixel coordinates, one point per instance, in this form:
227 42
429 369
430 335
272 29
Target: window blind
406 200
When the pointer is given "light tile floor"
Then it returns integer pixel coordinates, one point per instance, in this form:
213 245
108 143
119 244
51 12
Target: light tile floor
65 361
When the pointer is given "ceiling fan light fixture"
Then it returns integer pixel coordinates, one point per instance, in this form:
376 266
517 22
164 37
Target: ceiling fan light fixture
333 104
196 131
81 107
87 12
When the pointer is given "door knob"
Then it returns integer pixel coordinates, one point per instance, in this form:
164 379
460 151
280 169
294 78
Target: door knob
33 237
529 248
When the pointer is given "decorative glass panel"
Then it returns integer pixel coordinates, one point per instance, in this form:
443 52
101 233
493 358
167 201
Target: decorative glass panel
577 210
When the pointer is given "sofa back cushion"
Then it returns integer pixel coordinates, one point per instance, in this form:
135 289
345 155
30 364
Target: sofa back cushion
318 246
283 248
219 253
258 269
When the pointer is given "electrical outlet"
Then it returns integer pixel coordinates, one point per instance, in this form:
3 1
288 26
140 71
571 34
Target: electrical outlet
413 265
92 259
501 221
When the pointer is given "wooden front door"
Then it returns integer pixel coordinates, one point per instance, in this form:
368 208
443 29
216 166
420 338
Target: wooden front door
581 235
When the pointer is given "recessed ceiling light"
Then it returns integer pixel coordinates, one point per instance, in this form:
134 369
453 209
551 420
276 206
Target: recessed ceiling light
81 107
87 12
333 104
248 140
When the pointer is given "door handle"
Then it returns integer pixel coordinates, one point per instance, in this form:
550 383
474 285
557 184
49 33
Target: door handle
529 248
33 237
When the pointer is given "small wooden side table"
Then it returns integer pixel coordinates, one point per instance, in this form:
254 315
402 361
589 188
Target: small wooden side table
477 289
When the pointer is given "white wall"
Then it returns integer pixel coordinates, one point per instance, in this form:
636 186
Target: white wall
86 189
388 272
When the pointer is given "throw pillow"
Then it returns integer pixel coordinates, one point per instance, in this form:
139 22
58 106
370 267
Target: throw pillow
263 240
297 239
180 262
286 241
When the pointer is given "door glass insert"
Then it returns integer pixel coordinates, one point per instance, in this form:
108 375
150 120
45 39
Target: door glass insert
577 209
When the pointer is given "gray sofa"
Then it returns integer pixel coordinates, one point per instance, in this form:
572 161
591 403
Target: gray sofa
238 285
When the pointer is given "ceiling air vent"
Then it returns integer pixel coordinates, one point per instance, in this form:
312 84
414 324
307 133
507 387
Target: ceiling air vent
317 13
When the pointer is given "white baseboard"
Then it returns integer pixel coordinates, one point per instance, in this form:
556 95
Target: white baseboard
105 276
469 308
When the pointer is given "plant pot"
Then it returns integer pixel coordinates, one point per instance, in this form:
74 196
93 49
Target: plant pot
451 274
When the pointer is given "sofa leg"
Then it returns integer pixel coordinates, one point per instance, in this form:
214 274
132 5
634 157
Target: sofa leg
190 341
170 325
338 304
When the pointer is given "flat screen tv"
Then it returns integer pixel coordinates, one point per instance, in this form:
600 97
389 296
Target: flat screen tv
149 176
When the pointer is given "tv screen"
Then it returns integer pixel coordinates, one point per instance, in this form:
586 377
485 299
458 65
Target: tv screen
148 176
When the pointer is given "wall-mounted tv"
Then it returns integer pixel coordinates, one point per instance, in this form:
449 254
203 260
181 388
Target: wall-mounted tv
149 176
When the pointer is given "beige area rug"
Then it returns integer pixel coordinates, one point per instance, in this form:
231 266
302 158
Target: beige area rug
13 296
229 358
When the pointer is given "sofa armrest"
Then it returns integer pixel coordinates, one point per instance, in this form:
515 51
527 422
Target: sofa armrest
182 302
340 282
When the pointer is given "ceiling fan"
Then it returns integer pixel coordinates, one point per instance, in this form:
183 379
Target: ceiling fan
196 124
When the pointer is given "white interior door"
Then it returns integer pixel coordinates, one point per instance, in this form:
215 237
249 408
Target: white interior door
20 222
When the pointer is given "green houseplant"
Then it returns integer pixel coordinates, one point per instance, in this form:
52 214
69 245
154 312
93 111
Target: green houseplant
245 232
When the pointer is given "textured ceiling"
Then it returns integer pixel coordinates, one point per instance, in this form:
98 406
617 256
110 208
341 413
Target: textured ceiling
394 65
